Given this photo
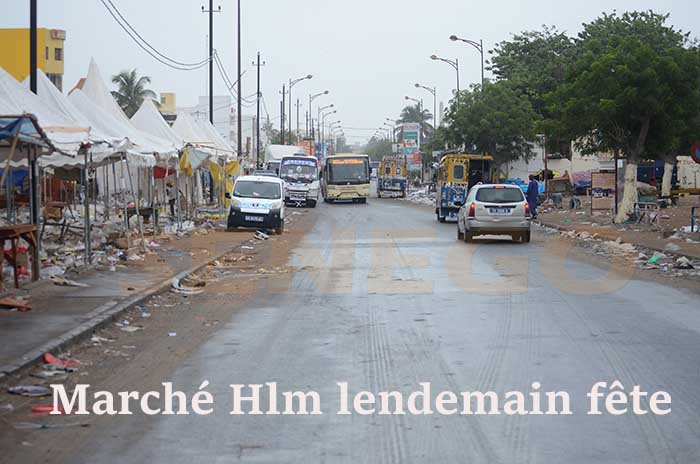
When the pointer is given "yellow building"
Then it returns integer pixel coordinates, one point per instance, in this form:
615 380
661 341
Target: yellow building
167 103
14 53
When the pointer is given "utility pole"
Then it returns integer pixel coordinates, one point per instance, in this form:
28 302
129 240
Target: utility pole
32 45
240 94
211 12
297 117
257 126
282 116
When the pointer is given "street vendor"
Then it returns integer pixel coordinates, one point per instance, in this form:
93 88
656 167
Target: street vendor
532 192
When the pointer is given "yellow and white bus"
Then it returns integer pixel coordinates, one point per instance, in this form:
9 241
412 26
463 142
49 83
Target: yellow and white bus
346 178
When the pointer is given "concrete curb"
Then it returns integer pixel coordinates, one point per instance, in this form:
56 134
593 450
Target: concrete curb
99 317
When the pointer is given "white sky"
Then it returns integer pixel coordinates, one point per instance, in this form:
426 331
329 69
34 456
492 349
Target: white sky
367 53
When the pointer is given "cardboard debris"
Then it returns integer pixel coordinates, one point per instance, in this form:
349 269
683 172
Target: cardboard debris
21 304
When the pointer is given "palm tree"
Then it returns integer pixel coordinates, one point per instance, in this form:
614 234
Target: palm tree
132 91
413 114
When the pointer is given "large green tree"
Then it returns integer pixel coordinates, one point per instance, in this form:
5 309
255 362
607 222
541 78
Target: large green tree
534 64
631 91
131 90
495 119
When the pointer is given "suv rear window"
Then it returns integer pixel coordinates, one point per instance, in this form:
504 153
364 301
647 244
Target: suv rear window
499 195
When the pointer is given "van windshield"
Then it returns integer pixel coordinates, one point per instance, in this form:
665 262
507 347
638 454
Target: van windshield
499 195
257 189
299 170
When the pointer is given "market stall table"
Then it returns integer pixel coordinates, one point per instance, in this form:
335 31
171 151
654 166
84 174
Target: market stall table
14 233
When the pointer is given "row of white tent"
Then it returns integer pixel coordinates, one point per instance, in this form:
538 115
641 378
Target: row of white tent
90 117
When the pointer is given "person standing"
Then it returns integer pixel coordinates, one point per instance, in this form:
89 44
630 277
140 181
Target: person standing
533 189
171 196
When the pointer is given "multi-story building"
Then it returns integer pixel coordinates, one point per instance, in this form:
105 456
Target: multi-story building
168 106
14 53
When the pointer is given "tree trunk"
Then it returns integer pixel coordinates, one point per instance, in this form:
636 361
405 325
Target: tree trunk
669 164
629 197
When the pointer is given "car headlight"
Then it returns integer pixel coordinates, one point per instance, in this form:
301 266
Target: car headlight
235 203
276 205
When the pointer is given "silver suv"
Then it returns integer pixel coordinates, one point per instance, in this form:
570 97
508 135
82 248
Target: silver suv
494 209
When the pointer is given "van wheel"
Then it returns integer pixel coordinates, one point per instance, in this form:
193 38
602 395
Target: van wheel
312 203
279 230
460 235
468 236
525 237
363 200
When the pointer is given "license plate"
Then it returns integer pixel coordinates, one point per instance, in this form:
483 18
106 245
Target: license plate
254 218
298 197
500 210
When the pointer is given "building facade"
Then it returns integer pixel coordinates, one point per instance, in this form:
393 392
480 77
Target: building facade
14 54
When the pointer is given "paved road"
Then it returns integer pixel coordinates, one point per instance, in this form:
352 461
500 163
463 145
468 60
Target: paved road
386 310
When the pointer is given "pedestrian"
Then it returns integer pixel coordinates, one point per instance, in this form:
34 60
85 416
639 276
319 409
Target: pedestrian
533 189
170 194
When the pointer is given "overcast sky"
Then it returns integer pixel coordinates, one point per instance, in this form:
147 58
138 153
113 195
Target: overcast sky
368 53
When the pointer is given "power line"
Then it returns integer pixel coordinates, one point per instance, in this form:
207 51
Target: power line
145 46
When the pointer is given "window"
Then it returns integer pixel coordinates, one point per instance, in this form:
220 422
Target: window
46 53
387 171
162 100
499 195
58 54
458 172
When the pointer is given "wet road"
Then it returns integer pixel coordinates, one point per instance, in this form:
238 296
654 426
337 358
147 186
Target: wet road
385 299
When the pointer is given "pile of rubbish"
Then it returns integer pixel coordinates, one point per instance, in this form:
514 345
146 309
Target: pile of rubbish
667 262
421 196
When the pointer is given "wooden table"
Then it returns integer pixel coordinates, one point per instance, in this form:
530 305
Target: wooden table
26 232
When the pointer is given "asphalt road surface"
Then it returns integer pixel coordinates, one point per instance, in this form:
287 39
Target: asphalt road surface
386 298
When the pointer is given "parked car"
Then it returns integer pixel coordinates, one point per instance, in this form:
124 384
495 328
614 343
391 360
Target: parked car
494 209
257 201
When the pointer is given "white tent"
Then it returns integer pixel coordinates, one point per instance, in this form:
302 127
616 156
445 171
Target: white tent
219 143
95 91
63 132
102 145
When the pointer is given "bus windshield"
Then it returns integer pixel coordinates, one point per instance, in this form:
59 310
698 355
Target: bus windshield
348 170
298 170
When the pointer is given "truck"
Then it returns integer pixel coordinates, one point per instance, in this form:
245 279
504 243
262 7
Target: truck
275 153
300 174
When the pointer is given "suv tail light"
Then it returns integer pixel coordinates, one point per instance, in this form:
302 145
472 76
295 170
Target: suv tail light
527 210
472 210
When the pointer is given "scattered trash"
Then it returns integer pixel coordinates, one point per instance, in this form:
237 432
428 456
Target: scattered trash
172 334
98 339
246 247
62 281
672 248
21 304
683 263
32 425
5 408
46 409
51 359
29 390
50 374
177 287
260 235
131 328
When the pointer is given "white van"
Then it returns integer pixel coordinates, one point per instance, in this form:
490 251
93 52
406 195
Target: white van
257 201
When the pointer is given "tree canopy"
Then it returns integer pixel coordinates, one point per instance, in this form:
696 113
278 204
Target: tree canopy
495 119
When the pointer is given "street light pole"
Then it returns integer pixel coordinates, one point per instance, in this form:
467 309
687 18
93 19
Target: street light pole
292 83
454 64
433 91
313 97
257 120
211 12
480 48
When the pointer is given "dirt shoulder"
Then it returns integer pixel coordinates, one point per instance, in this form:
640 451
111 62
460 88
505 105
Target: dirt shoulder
146 345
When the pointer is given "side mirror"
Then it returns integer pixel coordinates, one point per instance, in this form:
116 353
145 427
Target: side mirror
227 195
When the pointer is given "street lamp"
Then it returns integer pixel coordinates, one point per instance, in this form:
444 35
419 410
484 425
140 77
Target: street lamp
393 130
433 91
479 46
454 64
323 122
292 83
313 97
